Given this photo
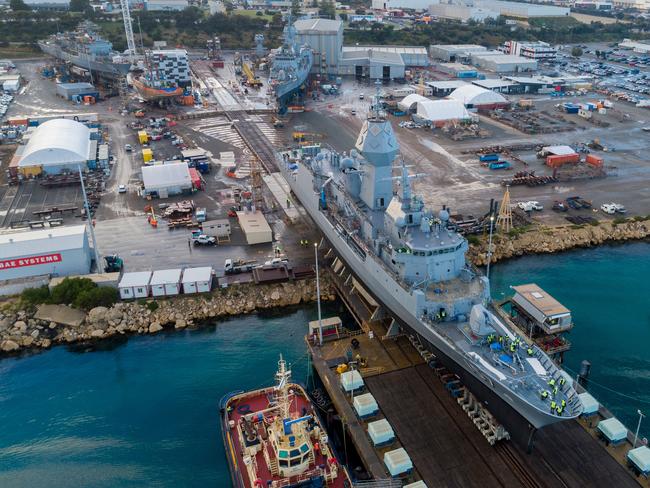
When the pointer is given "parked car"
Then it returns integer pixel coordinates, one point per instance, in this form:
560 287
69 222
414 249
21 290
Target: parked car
121 189
128 147
204 240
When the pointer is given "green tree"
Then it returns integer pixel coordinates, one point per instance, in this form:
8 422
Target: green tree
326 9
576 52
17 5
295 8
101 296
79 5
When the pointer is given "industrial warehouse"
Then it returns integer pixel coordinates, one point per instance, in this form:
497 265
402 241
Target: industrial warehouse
58 251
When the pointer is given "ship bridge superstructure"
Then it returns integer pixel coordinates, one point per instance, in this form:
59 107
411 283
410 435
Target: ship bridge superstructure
414 263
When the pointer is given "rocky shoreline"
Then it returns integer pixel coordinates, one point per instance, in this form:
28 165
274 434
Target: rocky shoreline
547 240
21 330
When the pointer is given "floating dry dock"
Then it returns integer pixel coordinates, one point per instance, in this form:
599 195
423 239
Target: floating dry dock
424 407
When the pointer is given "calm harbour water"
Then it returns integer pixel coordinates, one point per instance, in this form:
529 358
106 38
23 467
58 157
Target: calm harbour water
145 413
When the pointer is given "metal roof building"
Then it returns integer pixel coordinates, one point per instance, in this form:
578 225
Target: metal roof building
411 55
165 282
523 10
57 251
503 63
453 52
444 87
325 37
472 96
55 146
197 280
373 64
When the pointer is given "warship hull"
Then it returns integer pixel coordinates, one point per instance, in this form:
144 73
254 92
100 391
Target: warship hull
151 94
399 302
98 68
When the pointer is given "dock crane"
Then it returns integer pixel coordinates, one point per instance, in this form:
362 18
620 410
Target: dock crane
128 30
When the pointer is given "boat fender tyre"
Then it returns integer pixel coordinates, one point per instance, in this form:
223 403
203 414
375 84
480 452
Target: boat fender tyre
243 409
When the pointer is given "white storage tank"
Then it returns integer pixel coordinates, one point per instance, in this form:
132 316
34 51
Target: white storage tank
381 433
134 285
398 462
365 405
197 280
166 282
351 381
613 430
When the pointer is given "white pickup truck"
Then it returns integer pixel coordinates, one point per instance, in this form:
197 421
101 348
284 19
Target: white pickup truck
530 206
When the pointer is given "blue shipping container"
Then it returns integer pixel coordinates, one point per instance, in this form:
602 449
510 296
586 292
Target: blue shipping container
488 157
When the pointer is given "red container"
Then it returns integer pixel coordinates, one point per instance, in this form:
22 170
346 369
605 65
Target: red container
594 160
558 160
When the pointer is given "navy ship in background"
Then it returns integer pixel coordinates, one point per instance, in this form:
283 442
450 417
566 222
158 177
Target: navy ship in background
290 67
85 48
414 264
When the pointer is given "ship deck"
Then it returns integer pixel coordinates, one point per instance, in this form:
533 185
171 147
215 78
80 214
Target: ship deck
254 402
443 443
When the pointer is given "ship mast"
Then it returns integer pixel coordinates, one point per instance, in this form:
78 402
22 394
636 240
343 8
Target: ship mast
128 29
283 377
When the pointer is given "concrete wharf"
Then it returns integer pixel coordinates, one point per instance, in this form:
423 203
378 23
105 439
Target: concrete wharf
446 448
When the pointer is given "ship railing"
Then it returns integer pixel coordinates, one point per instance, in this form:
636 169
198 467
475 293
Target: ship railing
294 480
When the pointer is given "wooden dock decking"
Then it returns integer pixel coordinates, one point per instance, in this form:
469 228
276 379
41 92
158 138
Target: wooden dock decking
446 448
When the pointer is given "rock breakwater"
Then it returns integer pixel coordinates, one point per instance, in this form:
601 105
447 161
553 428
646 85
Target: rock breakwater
21 330
545 240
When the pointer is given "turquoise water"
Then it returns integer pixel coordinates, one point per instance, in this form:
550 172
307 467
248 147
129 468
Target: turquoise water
145 413
142 414
608 291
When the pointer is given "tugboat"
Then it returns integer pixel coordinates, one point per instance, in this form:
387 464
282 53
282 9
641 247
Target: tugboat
273 438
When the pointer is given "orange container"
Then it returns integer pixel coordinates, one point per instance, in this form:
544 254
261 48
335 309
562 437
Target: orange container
594 160
558 160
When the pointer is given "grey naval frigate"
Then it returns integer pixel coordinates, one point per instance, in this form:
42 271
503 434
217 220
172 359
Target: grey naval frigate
85 48
290 66
414 264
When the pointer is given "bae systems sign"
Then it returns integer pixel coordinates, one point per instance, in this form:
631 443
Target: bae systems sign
31 261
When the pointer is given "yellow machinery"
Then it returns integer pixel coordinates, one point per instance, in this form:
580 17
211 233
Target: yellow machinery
147 154
143 137
251 79
300 136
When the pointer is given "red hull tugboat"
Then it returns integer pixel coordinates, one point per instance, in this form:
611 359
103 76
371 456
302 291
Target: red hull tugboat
273 438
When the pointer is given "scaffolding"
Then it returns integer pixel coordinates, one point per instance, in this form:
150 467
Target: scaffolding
504 219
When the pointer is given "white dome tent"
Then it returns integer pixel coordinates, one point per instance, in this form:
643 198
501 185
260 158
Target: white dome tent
407 104
440 112
472 96
57 145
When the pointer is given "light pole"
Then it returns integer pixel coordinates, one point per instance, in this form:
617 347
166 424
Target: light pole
638 427
90 222
320 320
489 250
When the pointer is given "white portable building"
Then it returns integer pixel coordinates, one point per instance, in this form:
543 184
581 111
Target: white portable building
365 405
417 484
11 85
197 280
163 180
398 462
640 458
590 405
381 433
166 282
613 430
255 227
351 380
134 285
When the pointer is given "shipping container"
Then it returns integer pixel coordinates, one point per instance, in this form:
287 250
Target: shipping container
556 161
143 137
147 154
594 160
489 157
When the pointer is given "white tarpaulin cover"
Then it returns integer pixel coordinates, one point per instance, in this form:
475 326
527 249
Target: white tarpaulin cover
442 110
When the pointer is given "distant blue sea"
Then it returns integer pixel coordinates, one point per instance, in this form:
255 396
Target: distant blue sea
145 413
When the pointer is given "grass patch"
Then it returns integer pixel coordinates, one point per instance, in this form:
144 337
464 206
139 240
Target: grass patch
473 240
576 227
18 52
619 220
252 13
594 223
